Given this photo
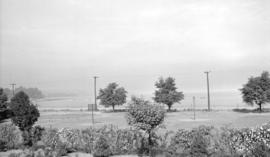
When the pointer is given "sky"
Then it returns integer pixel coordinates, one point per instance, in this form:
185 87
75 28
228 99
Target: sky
59 45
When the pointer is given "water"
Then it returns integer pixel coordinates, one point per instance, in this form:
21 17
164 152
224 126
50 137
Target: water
219 101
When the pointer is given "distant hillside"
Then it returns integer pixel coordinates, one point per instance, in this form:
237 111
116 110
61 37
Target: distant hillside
33 93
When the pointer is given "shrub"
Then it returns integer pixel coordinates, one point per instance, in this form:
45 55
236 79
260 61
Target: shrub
71 138
102 147
145 116
88 138
198 147
121 141
25 114
37 132
196 142
260 149
50 138
10 137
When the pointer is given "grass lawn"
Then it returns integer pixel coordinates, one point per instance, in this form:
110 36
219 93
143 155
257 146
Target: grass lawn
173 120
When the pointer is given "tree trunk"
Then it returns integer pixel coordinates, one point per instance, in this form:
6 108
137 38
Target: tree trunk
149 143
113 107
149 139
169 107
260 107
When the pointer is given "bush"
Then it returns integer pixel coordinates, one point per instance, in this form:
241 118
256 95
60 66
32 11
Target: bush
102 147
88 138
121 141
197 142
37 132
71 138
10 137
147 117
25 114
260 149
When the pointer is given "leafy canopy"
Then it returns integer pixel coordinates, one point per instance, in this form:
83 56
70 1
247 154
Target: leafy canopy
112 95
4 111
3 99
144 115
257 90
25 114
166 92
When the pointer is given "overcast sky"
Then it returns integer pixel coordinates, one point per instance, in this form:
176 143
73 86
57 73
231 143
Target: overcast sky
59 45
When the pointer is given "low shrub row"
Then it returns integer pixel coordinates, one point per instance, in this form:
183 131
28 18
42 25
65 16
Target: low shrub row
109 140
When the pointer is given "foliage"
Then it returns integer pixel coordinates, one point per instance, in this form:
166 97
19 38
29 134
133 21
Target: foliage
144 115
25 114
4 111
102 147
257 90
197 142
147 117
121 141
112 95
167 93
10 137
109 140
36 133
3 99
260 149
62 141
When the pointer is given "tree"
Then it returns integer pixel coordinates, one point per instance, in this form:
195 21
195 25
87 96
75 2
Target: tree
145 116
257 90
112 95
25 114
4 112
167 93
3 99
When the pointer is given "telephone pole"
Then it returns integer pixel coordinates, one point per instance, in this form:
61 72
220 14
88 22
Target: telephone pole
95 91
208 92
13 88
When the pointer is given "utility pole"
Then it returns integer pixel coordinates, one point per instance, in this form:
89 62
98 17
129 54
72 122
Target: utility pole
13 88
93 122
194 106
208 92
95 91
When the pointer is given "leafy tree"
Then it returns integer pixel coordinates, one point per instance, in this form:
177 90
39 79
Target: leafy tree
112 95
145 116
3 99
257 90
4 112
167 93
25 114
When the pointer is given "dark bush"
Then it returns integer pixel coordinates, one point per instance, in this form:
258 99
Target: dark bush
25 114
260 150
37 132
102 147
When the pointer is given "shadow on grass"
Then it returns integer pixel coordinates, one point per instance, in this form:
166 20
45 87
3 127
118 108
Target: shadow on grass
244 110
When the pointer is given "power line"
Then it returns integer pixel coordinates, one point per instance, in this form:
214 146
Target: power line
208 91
